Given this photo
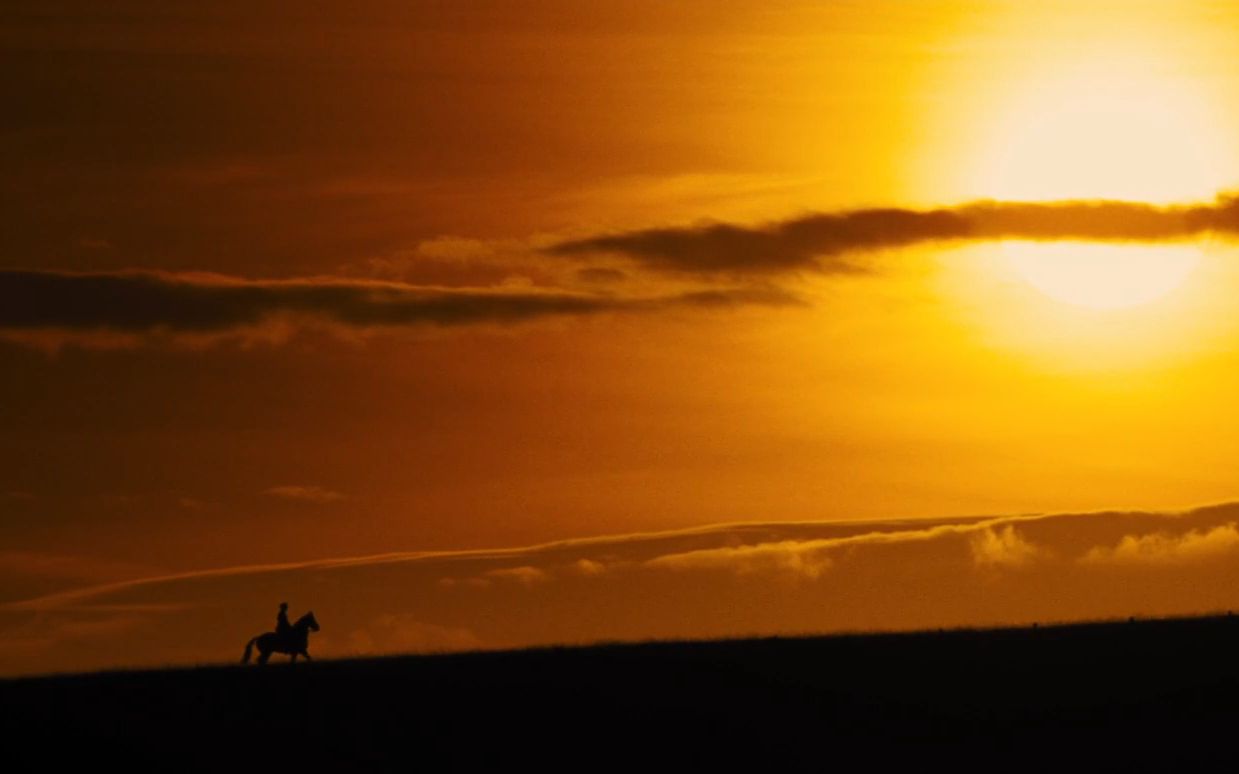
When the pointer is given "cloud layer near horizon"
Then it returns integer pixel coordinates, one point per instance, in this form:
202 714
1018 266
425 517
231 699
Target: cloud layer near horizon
824 241
727 580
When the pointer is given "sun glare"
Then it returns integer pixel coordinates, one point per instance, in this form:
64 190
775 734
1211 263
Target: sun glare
1101 276
1114 126
1113 129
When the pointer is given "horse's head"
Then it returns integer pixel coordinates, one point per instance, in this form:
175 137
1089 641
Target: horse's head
307 621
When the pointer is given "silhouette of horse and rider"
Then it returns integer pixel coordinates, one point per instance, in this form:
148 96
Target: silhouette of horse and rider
292 639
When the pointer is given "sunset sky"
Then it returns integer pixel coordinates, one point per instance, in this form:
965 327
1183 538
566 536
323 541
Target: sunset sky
490 324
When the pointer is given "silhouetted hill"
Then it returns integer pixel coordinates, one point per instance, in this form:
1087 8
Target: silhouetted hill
1145 694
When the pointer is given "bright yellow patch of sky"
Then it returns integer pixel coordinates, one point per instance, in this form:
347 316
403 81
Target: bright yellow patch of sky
1123 101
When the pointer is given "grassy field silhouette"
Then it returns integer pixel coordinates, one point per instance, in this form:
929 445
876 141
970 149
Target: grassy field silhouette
1112 695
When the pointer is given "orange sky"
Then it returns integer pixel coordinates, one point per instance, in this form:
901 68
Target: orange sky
285 285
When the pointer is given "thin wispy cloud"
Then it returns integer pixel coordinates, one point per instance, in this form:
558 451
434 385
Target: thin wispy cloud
120 308
309 494
144 302
831 242
524 574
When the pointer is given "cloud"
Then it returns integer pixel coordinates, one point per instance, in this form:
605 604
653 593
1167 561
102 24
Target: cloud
1002 548
589 567
1160 548
801 559
309 494
807 558
120 304
713 581
525 574
828 242
792 244
607 551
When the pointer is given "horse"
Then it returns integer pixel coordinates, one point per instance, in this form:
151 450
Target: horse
294 643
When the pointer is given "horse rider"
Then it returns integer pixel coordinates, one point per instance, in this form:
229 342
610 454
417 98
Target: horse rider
282 627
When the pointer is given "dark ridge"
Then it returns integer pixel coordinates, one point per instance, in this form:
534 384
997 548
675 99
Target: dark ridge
1129 694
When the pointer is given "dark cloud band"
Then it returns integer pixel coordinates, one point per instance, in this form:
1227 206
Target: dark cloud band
135 302
825 241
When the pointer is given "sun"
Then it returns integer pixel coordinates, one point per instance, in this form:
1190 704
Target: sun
1110 127
1102 276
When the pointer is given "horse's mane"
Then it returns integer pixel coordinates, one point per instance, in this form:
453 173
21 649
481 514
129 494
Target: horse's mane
305 618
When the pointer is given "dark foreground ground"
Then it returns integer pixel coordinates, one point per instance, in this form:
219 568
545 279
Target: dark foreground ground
1156 695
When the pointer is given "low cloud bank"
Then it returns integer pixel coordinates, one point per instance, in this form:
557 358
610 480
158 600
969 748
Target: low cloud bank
726 580
1165 548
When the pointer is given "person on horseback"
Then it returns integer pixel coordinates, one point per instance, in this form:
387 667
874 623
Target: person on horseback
282 627
292 639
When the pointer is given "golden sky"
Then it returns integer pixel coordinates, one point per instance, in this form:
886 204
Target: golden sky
283 285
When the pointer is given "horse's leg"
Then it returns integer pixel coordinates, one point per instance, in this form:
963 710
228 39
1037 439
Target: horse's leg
292 657
263 655
306 653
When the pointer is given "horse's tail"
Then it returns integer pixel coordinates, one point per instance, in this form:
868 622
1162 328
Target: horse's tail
249 648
